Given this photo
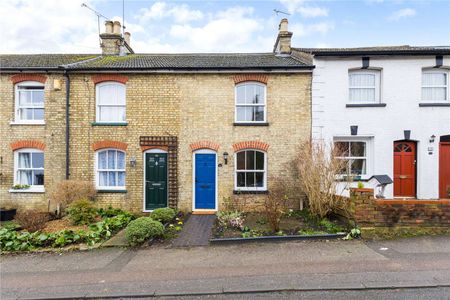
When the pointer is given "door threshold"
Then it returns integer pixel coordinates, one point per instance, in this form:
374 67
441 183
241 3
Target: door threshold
204 212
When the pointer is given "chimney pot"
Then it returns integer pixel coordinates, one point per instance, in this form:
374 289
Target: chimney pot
116 27
108 26
283 25
126 37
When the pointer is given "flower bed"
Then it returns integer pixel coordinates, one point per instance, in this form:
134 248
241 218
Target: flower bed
232 225
110 221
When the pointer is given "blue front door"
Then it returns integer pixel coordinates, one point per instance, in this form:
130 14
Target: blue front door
205 181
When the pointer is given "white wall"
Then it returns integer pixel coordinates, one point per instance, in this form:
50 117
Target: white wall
401 91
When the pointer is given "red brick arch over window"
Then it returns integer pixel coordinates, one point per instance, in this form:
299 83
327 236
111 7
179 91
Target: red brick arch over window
28 77
27 144
109 77
204 145
251 77
164 148
109 144
258 145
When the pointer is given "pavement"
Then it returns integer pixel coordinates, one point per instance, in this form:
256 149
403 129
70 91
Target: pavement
356 269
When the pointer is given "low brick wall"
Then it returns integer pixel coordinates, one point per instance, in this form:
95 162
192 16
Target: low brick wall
368 211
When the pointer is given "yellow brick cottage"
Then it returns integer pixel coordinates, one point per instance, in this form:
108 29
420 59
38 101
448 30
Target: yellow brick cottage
152 130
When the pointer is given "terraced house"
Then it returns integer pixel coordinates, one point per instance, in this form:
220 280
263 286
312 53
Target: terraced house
152 130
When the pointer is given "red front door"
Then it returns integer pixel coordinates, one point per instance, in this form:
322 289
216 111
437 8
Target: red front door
444 170
404 169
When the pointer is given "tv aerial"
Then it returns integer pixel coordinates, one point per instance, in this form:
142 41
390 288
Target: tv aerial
281 12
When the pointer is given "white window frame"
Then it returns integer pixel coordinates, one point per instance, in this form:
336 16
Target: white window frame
97 171
446 86
32 188
97 105
368 157
17 106
256 188
250 105
377 87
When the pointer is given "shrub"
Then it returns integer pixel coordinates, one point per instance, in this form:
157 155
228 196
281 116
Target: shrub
163 215
142 229
232 219
68 191
275 203
32 220
82 212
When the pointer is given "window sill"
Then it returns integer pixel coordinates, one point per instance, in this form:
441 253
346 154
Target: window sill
366 105
250 124
32 190
239 192
26 123
109 123
112 191
434 104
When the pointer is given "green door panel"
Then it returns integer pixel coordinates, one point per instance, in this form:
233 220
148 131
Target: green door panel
155 180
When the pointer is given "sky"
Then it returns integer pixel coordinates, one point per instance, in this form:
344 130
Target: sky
64 26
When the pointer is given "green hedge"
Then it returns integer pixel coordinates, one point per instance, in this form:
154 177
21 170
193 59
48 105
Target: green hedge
142 229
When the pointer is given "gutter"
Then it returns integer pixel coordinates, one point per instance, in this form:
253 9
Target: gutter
66 75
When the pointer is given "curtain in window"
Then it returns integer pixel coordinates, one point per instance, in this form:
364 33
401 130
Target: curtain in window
362 87
111 102
111 168
434 86
30 102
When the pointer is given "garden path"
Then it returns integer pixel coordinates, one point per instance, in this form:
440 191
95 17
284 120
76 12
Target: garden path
196 231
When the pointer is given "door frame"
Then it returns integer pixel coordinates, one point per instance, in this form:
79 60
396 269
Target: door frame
415 168
204 151
145 174
440 175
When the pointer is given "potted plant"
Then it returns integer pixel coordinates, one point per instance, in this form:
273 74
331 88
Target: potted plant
8 210
20 187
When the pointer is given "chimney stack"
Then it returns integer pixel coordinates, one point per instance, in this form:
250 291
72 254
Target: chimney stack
283 42
112 42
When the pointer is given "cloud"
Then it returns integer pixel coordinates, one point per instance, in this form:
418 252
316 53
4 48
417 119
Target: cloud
402 13
179 13
321 28
298 6
47 26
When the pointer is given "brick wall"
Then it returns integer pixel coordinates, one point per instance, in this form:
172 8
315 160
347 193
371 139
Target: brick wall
50 137
368 211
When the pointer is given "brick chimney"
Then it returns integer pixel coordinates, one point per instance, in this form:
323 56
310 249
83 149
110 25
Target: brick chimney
283 42
113 43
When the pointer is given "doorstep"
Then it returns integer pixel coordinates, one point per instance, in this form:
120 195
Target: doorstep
204 212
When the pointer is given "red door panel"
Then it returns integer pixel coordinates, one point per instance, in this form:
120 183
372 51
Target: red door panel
404 169
444 169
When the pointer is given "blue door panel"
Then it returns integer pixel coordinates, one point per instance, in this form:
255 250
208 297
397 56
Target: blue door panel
205 181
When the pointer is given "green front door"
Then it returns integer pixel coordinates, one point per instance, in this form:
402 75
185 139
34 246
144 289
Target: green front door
155 180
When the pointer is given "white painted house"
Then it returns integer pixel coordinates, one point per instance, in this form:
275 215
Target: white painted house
397 100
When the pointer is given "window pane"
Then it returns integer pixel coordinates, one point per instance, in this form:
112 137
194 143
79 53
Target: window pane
113 94
358 149
342 148
434 94
121 178
240 113
111 178
240 160
24 160
363 95
250 179
250 160
365 80
259 160
249 93
102 160
240 94
434 79
259 94
26 113
358 166
260 179
240 179
37 160
258 113
24 97
38 98
38 114
24 177
38 178
120 160
103 178
111 159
